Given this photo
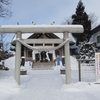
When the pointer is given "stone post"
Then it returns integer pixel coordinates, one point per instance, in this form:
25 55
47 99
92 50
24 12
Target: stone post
18 58
67 60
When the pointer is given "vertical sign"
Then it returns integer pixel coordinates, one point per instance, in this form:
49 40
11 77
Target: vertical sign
88 71
97 63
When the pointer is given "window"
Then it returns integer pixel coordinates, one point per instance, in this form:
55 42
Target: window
98 39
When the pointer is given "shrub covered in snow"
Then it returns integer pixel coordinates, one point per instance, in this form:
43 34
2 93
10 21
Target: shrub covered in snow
87 50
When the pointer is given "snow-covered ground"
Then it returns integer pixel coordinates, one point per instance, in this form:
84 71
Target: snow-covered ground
45 85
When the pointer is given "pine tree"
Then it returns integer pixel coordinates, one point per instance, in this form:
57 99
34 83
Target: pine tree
81 18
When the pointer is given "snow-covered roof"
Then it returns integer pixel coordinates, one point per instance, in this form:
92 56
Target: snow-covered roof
60 35
24 36
71 38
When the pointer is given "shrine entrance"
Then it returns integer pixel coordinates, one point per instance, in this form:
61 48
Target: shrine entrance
20 29
43 57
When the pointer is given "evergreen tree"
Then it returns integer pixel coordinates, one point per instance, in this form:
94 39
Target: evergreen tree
81 18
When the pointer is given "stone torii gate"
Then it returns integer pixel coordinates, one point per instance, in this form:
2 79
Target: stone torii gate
19 29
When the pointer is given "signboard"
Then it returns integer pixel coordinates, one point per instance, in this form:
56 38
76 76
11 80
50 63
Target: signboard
88 72
97 64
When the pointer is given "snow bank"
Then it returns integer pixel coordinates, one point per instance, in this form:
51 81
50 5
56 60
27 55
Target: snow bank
46 85
74 63
10 63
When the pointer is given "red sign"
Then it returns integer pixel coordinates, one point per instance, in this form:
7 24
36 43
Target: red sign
97 63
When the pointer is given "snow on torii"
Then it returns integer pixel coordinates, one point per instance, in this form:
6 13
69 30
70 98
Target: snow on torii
19 29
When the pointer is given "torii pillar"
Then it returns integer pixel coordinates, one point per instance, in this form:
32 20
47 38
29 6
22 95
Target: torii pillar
67 59
18 58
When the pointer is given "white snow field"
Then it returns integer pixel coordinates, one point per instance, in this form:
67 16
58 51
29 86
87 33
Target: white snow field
46 85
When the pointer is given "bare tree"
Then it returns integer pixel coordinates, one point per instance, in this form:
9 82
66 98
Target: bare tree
5 11
5 45
93 19
67 21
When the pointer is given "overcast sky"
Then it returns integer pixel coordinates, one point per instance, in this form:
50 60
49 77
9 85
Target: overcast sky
47 11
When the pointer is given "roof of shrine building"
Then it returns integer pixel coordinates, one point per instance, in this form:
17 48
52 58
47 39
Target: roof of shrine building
95 30
47 35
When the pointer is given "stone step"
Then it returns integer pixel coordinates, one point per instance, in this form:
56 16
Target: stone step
43 65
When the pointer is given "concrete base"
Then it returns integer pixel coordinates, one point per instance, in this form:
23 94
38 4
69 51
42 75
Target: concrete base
62 71
23 72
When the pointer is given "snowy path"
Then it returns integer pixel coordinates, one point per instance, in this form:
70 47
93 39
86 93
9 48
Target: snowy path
50 85
42 86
